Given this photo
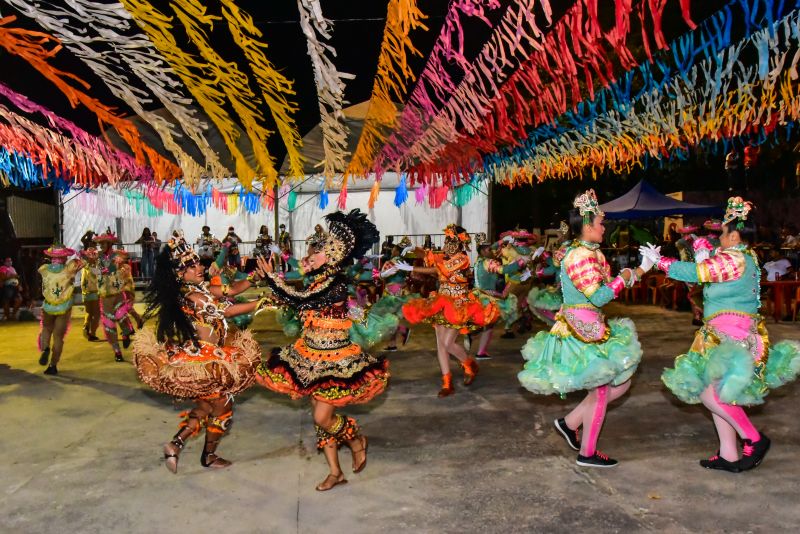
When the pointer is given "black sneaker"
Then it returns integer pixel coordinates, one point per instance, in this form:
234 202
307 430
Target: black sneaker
598 460
720 463
753 453
93 338
45 356
51 370
118 357
697 322
569 435
508 335
391 348
482 357
126 342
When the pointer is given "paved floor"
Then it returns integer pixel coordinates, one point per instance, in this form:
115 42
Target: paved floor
81 453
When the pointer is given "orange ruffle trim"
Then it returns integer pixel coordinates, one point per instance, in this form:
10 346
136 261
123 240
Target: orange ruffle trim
466 314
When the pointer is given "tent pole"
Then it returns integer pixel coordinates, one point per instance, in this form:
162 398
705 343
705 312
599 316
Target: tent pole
275 210
490 195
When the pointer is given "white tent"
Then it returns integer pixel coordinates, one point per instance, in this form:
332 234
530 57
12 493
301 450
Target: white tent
112 210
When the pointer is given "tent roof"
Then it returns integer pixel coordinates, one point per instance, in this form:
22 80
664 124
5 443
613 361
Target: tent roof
645 201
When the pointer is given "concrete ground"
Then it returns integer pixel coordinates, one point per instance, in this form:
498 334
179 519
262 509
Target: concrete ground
82 452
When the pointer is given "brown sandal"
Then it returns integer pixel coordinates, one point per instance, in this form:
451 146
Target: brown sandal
364 445
171 452
212 461
331 481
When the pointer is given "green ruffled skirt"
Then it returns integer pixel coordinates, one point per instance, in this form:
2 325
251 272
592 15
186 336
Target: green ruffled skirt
561 364
545 302
730 366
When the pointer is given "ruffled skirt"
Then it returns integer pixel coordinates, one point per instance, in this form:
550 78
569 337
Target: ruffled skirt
186 372
508 307
734 355
559 362
466 314
340 377
544 303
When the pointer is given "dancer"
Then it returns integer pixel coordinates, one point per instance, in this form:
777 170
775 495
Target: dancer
324 364
583 350
488 280
396 292
128 285
58 284
453 309
513 247
193 354
114 307
89 291
731 362
544 302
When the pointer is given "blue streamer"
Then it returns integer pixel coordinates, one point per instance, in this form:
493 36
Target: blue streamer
401 193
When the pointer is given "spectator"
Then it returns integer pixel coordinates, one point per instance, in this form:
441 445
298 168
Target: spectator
10 287
751 154
732 169
386 248
778 266
147 243
208 247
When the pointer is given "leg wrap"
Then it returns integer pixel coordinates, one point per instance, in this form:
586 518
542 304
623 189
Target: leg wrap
192 422
219 424
343 429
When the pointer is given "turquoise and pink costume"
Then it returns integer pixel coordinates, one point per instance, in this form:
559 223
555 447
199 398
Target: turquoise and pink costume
582 350
544 302
731 351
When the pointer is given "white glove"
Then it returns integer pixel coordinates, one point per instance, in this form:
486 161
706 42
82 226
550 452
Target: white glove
372 256
389 272
702 255
651 255
525 275
407 250
274 249
508 239
403 266
536 253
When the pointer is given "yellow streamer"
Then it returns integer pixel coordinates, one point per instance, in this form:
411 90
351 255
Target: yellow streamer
204 82
275 87
391 78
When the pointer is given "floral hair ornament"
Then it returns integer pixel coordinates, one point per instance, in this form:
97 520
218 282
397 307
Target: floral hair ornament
737 210
586 204
181 253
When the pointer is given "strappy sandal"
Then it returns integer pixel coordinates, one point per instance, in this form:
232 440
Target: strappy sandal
171 452
217 462
330 482
364 445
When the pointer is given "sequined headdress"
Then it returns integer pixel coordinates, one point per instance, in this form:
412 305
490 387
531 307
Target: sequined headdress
405 242
586 204
349 236
737 210
563 228
180 252
481 239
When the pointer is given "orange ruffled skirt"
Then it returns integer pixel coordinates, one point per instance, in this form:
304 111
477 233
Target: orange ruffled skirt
466 314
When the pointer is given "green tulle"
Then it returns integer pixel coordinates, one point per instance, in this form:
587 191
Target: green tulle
508 306
560 365
243 320
731 368
378 327
289 321
547 298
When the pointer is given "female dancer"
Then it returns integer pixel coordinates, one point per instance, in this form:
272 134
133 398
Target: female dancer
544 302
89 288
730 363
324 364
58 284
193 354
488 278
453 309
583 350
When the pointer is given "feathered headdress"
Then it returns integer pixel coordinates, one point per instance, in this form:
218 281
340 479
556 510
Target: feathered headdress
456 233
586 204
349 236
737 210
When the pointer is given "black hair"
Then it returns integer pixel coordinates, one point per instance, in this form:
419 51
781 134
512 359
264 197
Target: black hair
164 299
576 222
747 232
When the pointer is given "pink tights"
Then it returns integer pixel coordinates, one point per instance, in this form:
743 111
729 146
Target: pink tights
730 421
486 338
591 413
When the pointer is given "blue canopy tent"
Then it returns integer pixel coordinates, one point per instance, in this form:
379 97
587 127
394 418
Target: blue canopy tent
644 201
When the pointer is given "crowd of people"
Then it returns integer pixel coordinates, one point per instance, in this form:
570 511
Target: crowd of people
340 301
